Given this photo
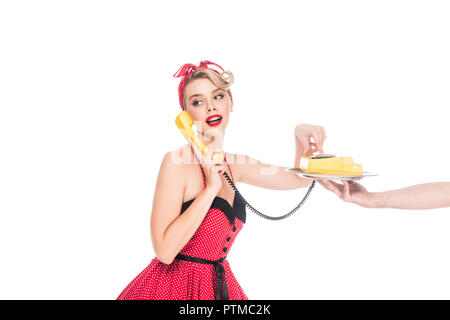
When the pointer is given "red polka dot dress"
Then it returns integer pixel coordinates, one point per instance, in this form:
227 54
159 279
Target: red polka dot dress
200 271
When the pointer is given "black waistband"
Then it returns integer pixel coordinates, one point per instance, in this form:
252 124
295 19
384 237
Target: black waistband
220 273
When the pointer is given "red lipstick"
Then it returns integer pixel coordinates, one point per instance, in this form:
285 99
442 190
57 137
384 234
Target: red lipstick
214 120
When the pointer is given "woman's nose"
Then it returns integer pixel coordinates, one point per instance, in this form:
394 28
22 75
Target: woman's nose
211 107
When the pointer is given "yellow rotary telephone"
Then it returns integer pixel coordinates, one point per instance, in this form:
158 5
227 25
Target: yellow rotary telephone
318 164
330 165
321 164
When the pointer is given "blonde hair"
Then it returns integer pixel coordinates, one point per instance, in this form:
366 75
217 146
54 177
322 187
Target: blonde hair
223 81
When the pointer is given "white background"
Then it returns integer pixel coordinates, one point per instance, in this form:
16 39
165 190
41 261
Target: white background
88 104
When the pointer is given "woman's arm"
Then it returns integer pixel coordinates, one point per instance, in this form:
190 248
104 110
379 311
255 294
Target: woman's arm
268 176
417 197
171 231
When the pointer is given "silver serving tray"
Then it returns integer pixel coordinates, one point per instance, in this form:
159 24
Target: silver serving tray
329 176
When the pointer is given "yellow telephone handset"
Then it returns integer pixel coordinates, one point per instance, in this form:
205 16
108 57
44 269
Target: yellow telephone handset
184 122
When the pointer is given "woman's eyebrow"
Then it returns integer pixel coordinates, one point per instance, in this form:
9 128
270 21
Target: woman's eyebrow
198 94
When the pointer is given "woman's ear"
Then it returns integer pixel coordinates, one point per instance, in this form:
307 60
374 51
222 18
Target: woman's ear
231 103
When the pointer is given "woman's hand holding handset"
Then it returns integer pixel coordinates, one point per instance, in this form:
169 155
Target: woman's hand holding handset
213 168
179 229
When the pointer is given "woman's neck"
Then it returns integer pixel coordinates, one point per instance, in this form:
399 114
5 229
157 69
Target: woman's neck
212 141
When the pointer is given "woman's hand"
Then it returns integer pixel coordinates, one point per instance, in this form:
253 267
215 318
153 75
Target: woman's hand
213 168
349 191
304 132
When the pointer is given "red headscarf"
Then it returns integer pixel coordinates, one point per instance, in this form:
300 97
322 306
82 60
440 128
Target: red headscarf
186 70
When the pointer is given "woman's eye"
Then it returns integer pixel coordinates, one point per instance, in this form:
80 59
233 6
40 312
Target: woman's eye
197 102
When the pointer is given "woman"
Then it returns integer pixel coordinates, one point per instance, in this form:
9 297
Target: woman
196 215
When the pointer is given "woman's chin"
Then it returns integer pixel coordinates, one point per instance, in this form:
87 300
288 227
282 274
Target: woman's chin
213 131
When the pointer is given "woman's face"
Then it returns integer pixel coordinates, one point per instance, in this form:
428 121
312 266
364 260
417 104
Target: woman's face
208 105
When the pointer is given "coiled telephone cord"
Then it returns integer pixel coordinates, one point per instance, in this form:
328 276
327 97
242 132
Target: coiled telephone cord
262 215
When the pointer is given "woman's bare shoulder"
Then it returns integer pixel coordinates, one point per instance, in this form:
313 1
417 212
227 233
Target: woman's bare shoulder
182 156
185 165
